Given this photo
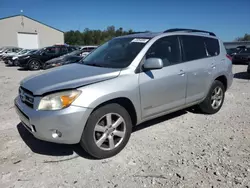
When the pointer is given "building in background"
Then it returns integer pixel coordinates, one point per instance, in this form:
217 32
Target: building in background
235 44
22 31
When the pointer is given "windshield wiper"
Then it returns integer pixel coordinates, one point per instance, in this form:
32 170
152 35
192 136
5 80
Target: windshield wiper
93 64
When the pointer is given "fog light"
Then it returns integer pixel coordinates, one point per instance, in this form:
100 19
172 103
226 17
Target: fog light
56 134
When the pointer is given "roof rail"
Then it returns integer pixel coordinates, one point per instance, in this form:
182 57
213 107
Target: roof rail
189 30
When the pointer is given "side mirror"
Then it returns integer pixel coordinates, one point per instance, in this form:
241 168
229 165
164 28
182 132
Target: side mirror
153 63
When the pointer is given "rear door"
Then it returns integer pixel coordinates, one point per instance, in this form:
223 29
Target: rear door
199 67
164 89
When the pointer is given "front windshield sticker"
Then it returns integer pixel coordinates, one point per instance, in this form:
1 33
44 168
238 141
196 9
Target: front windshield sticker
140 40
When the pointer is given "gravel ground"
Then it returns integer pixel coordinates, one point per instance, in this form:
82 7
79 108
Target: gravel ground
183 149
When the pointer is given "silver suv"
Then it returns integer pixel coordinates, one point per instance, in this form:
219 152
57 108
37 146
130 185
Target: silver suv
124 82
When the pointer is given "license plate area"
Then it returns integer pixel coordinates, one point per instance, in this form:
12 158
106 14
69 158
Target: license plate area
24 119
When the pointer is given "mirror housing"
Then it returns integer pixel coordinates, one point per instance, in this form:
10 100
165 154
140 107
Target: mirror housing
153 63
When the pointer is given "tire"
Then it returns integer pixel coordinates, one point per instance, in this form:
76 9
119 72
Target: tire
207 105
16 63
34 64
91 135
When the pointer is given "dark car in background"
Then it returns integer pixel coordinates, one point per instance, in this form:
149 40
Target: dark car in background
69 58
12 60
248 68
242 57
36 60
233 51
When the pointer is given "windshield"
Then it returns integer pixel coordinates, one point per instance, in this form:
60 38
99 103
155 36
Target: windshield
32 52
23 52
116 53
75 52
39 51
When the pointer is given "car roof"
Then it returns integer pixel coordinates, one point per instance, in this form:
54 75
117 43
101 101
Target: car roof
150 35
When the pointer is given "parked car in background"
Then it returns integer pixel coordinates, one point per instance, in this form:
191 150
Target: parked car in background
12 60
69 58
234 51
87 49
36 60
243 56
9 51
248 68
124 82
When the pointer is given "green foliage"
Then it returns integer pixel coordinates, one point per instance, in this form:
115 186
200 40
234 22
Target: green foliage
94 37
245 38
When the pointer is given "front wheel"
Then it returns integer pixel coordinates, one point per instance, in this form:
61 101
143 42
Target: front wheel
16 62
34 64
215 98
107 131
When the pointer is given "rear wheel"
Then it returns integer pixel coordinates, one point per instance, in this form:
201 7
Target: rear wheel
215 98
107 131
34 64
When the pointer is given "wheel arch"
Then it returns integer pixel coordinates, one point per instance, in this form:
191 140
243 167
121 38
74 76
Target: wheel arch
223 80
124 102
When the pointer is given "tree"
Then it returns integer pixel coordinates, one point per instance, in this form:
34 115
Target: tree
246 37
94 37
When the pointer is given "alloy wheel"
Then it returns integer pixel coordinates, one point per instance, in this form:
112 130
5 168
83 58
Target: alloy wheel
217 97
34 65
109 131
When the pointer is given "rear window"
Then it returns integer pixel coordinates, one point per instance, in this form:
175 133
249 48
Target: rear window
194 47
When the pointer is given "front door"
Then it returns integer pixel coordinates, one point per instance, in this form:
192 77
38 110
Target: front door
163 89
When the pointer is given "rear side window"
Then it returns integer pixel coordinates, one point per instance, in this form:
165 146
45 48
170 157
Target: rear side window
212 46
194 47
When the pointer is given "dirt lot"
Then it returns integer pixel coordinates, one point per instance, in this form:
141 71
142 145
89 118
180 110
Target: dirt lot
183 149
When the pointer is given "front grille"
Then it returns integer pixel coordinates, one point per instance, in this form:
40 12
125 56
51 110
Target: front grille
22 113
27 97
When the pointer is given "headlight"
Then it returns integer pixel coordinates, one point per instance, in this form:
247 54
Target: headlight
13 58
57 101
26 57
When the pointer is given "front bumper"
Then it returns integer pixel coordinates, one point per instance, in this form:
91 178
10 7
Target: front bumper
69 122
23 63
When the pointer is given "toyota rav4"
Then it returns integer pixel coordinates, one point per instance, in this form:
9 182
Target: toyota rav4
124 82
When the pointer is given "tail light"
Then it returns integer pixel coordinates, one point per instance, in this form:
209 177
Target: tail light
229 57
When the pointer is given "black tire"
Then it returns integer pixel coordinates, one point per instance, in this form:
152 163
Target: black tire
16 63
88 141
206 106
34 64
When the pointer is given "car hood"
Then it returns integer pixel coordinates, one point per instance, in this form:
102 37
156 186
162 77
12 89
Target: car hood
54 60
67 77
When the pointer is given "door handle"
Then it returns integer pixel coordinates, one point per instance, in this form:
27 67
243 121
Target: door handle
181 73
213 66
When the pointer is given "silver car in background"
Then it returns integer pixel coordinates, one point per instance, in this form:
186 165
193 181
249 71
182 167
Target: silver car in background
124 82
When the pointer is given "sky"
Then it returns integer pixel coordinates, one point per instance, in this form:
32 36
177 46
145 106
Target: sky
227 19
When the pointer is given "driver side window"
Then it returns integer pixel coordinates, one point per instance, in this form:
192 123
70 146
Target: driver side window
50 50
167 49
